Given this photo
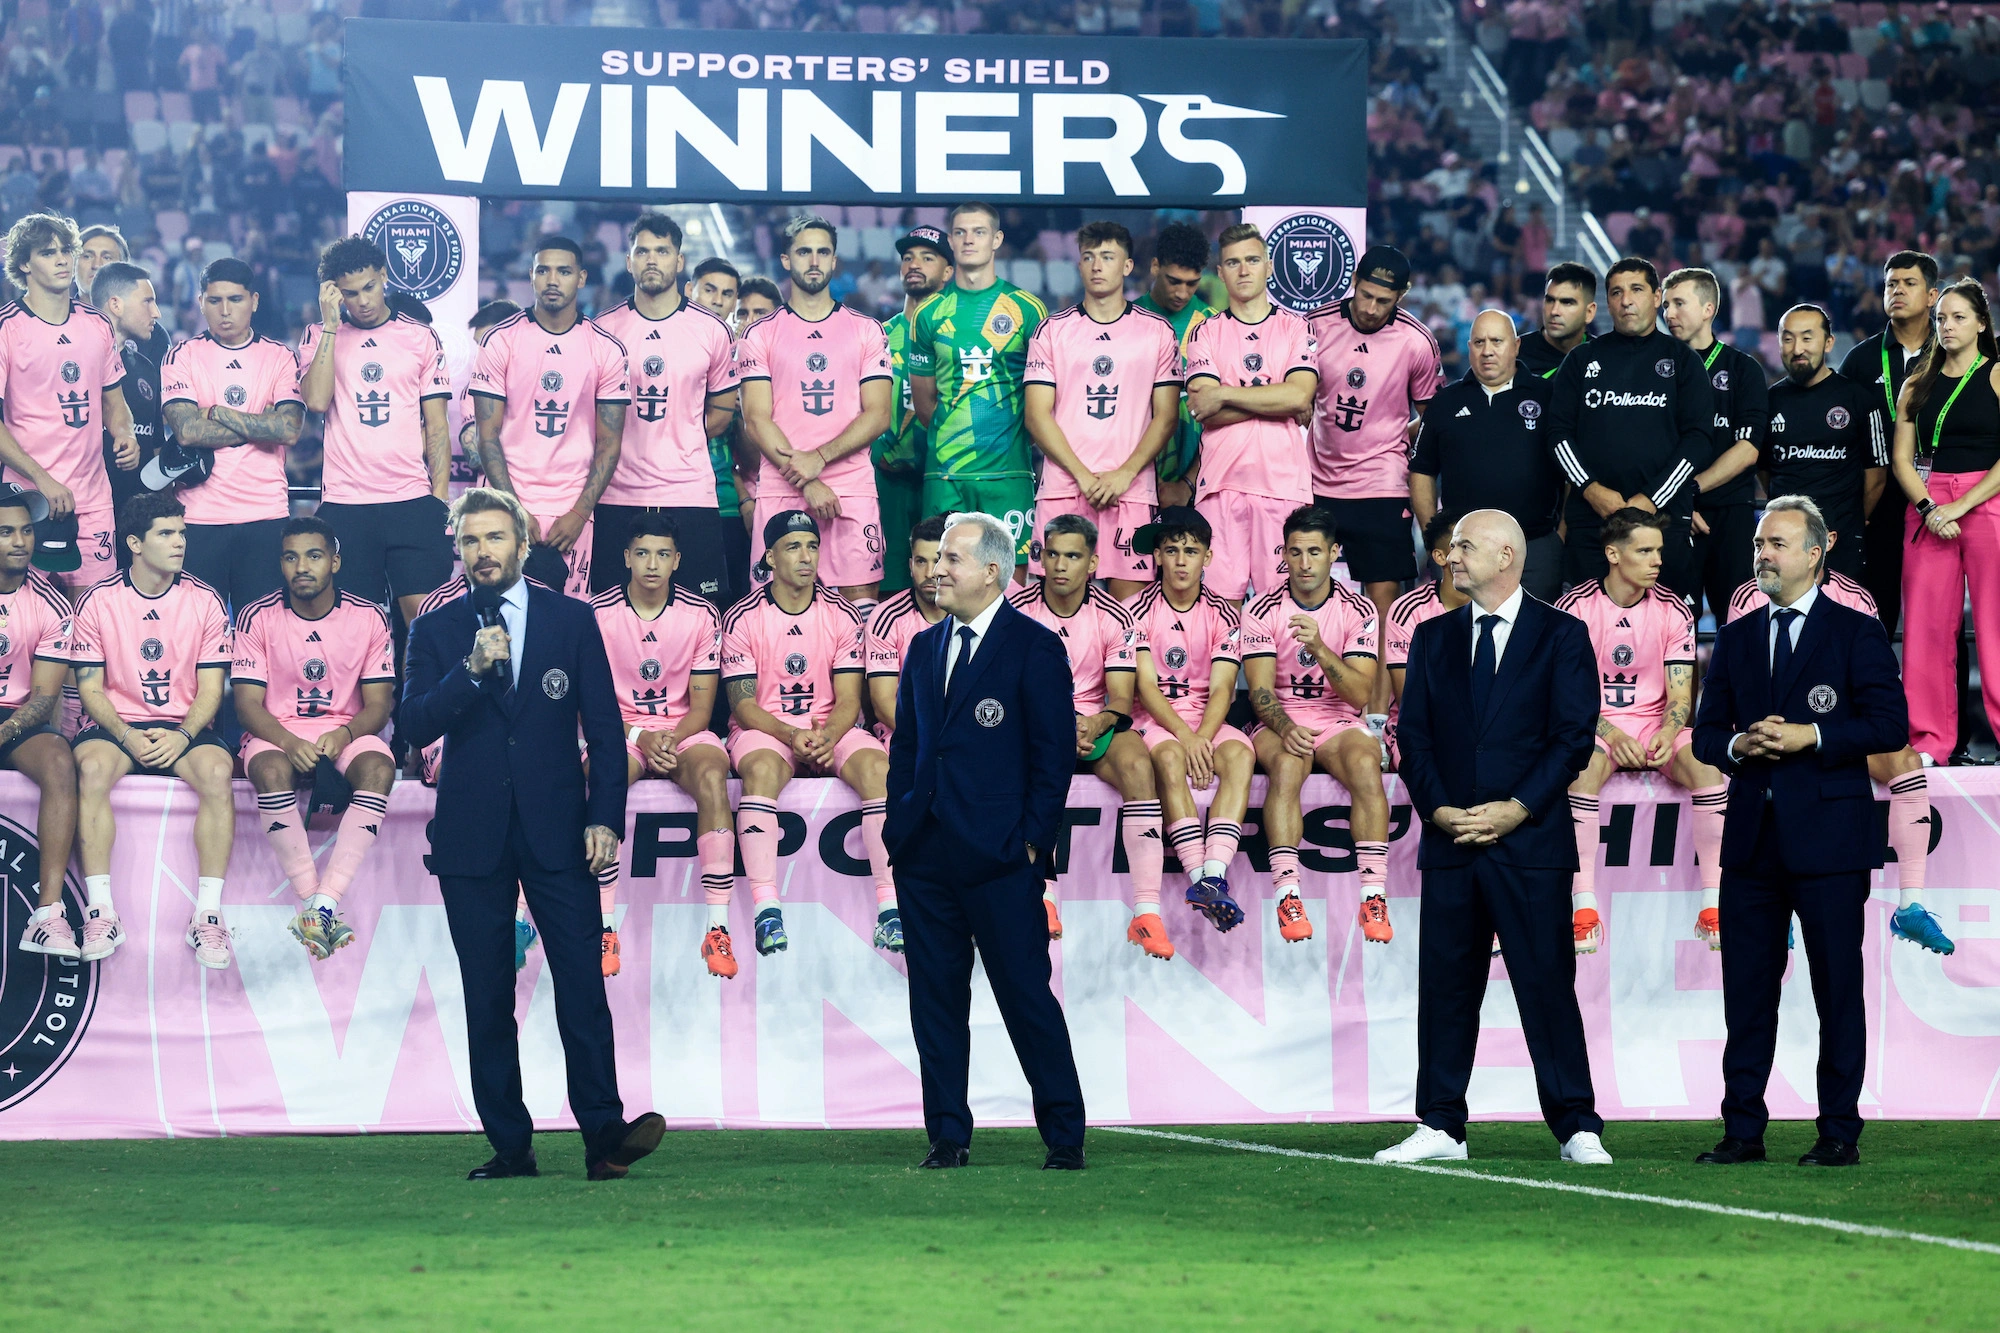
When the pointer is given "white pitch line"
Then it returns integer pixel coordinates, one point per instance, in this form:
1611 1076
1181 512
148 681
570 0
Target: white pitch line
1564 1187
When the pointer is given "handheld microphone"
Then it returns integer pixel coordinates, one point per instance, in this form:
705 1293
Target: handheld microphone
486 605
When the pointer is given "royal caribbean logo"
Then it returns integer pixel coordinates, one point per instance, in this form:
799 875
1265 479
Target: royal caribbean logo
45 1002
1312 261
424 248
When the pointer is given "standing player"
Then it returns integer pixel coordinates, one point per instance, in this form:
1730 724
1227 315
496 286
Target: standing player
150 648
1187 681
236 393
1251 374
899 618
755 298
898 454
315 682
1827 438
1429 599
816 393
714 290
97 246
381 380
123 294
664 647
1902 772
1644 639
683 372
1180 254
1103 647
1102 396
59 394
1378 369
1569 304
1309 661
791 666
968 352
550 389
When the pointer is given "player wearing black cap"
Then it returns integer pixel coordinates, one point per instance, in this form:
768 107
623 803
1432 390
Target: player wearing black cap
899 451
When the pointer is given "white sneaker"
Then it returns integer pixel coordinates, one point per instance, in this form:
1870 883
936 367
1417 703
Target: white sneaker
209 938
1426 1145
1585 1149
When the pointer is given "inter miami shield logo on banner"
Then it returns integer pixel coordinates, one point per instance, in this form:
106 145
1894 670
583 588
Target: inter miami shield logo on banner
45 1002
424 248
1312 261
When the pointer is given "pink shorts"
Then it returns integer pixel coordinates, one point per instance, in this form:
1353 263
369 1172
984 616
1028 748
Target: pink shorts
856 741
687 743
850 547
96 542
1642 727
1116 525
1249 543
252 746
1325 726
1156 736
578 559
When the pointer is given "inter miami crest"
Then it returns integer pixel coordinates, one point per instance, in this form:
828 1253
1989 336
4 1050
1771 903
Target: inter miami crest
1312 261
654 365
649 669
795 664
152 650
424 248
988 712
372 372
1102 366
45 1002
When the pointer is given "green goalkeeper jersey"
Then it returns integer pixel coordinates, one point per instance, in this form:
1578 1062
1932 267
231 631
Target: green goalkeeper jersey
975 345
900 449
1179 454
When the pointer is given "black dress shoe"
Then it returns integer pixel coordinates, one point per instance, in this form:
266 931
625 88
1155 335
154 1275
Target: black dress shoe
945 1155
1832 1152
1967 759
1064 1159
1734 1151
505 1168
625 1144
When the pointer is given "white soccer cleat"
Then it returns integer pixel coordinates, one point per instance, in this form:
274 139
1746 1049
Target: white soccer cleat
1426 1145
1585 1149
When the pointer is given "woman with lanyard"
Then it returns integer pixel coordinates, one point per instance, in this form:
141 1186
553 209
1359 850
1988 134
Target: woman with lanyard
1947 460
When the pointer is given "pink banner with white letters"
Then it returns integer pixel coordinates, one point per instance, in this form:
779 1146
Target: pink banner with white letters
1236 1028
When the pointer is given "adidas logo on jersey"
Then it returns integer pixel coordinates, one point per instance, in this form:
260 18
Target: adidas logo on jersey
555 349
150 615
313 637
1179 628
1590 371
653 337
62 340
370 343
650 638
1251 338
1624 622
814 336
795 630
1104 337
945 330
1462 412
1361 350
234 365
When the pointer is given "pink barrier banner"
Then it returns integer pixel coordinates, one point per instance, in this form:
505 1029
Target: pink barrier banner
1238 1028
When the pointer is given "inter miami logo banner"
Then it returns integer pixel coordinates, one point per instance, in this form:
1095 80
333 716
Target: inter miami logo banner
600 113
1313 251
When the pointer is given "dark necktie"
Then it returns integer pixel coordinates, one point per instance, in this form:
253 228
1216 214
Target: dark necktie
1483 658
1781 654
965 637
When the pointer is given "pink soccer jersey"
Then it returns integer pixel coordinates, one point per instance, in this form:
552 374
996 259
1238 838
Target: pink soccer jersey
1410 610
375 423
896 620
1186 645
1368 385
653 661
1264 456
1346 624
1100 638
816 372
312 671
1635 645
150 647
794 658
1104 376
676 364
52 383
552 384
1838 586
248 483
34 627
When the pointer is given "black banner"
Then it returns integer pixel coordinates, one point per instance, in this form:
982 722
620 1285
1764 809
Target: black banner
675 114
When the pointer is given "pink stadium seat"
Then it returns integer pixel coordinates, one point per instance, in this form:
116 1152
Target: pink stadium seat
141 106
288 111
863 216
834 214
172 225
1962 15
967 19
1846 15
1853 66
928 217
1872 13
1617 226
871 18
176 107
521 292
114 163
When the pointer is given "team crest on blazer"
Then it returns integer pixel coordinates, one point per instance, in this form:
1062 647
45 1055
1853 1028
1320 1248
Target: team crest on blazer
988 712
1822 699
555 683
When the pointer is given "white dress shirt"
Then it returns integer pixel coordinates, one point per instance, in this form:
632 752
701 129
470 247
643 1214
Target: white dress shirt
514 616
979 625
1798 624
1509 611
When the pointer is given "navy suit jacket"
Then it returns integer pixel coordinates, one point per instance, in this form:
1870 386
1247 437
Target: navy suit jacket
994 767
1842 677
516 750
1535 738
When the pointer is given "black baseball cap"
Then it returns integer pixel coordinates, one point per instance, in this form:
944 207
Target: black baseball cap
1386 266
928 236
330 789
177 465
781 525
1174 518
34 502
56 550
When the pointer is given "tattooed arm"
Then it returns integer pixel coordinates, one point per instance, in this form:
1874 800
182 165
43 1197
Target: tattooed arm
488 412
437 447
196 430
47 686
563 533
280 425
1680 707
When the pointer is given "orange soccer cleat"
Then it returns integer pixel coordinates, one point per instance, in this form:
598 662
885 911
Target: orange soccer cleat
608 952
1375 927
1292 922
1150 933
1708 927
715 951
1055 922
1589 928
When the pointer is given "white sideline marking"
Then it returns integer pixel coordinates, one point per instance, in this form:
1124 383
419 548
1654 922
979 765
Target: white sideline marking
1463 1173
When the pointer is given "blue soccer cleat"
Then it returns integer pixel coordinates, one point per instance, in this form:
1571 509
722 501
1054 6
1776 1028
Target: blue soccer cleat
1209 895
771 935
524 940
889 931
1920 927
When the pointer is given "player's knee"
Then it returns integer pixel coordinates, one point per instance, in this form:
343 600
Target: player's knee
372 772
270 773
95 774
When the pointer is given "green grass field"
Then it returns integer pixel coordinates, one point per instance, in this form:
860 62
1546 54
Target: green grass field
838 1230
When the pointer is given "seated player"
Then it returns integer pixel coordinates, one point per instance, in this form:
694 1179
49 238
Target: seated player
1430 598
34 664
1187 680
1902 773
315 682
1309 661
150 649
791 666
664 645
1644 639
1104 649
899 618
